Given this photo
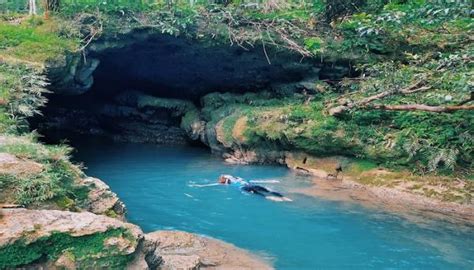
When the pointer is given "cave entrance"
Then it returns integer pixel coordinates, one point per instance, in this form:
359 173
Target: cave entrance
142 80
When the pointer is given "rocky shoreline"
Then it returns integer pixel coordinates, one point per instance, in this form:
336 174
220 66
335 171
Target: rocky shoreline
75 233
391 191
53 239
411 206
25 231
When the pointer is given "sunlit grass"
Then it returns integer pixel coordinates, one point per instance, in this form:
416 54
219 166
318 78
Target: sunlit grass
34 40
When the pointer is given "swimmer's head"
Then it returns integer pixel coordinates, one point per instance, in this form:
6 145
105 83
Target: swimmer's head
223 179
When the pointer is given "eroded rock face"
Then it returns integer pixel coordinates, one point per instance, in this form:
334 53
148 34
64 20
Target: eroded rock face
69 239
181 250
101 200
165 66
118 120
72 74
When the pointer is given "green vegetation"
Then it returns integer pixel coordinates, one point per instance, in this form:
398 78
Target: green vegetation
21 94
45 174
403 56
34 41
87 251
407 105
417 140
407 53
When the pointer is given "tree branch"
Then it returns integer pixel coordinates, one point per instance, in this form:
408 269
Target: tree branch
413 88
421 107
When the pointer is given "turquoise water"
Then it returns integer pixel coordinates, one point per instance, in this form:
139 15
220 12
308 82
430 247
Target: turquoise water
155 182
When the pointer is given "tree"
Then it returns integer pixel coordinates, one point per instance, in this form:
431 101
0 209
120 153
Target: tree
32 7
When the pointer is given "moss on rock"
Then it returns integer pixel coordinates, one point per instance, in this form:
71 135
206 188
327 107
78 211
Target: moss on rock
43 236
88 251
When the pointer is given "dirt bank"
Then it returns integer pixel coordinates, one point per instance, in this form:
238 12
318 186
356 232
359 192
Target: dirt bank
412 206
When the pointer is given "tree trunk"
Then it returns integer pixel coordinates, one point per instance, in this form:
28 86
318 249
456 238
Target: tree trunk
32 7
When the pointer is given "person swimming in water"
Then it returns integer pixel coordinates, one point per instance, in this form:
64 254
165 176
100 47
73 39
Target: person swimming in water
226 179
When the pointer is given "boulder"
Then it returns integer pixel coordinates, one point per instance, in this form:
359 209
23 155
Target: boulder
181 250
10 164
71 74
66 239
240 156
101 200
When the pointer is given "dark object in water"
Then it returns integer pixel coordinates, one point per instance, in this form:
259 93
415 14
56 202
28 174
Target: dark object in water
259 190
252 188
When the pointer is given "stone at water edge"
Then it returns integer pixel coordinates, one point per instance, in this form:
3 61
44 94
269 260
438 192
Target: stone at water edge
101 200
181 250
35 225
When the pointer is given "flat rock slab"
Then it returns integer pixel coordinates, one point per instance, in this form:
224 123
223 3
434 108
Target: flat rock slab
16 223
181 250
10 164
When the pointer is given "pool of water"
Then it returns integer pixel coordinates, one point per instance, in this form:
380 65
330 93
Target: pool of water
156 184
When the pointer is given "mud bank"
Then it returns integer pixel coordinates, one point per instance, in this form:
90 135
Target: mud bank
411 206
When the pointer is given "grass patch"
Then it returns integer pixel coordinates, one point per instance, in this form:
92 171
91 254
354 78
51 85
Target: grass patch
33 41
362 165
228 126
56 180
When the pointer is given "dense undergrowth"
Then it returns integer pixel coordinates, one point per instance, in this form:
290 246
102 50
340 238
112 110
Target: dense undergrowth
391 139
416 45
46 174
422 46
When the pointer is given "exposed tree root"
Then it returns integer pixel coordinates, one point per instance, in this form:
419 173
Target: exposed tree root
413 88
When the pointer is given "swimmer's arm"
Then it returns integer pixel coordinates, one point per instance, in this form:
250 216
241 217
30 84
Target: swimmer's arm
205 185
265 181
278 199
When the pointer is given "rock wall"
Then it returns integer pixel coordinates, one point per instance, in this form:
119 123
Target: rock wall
119 118
72 74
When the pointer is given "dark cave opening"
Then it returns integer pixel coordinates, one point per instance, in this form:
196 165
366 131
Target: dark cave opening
180 68
168 67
